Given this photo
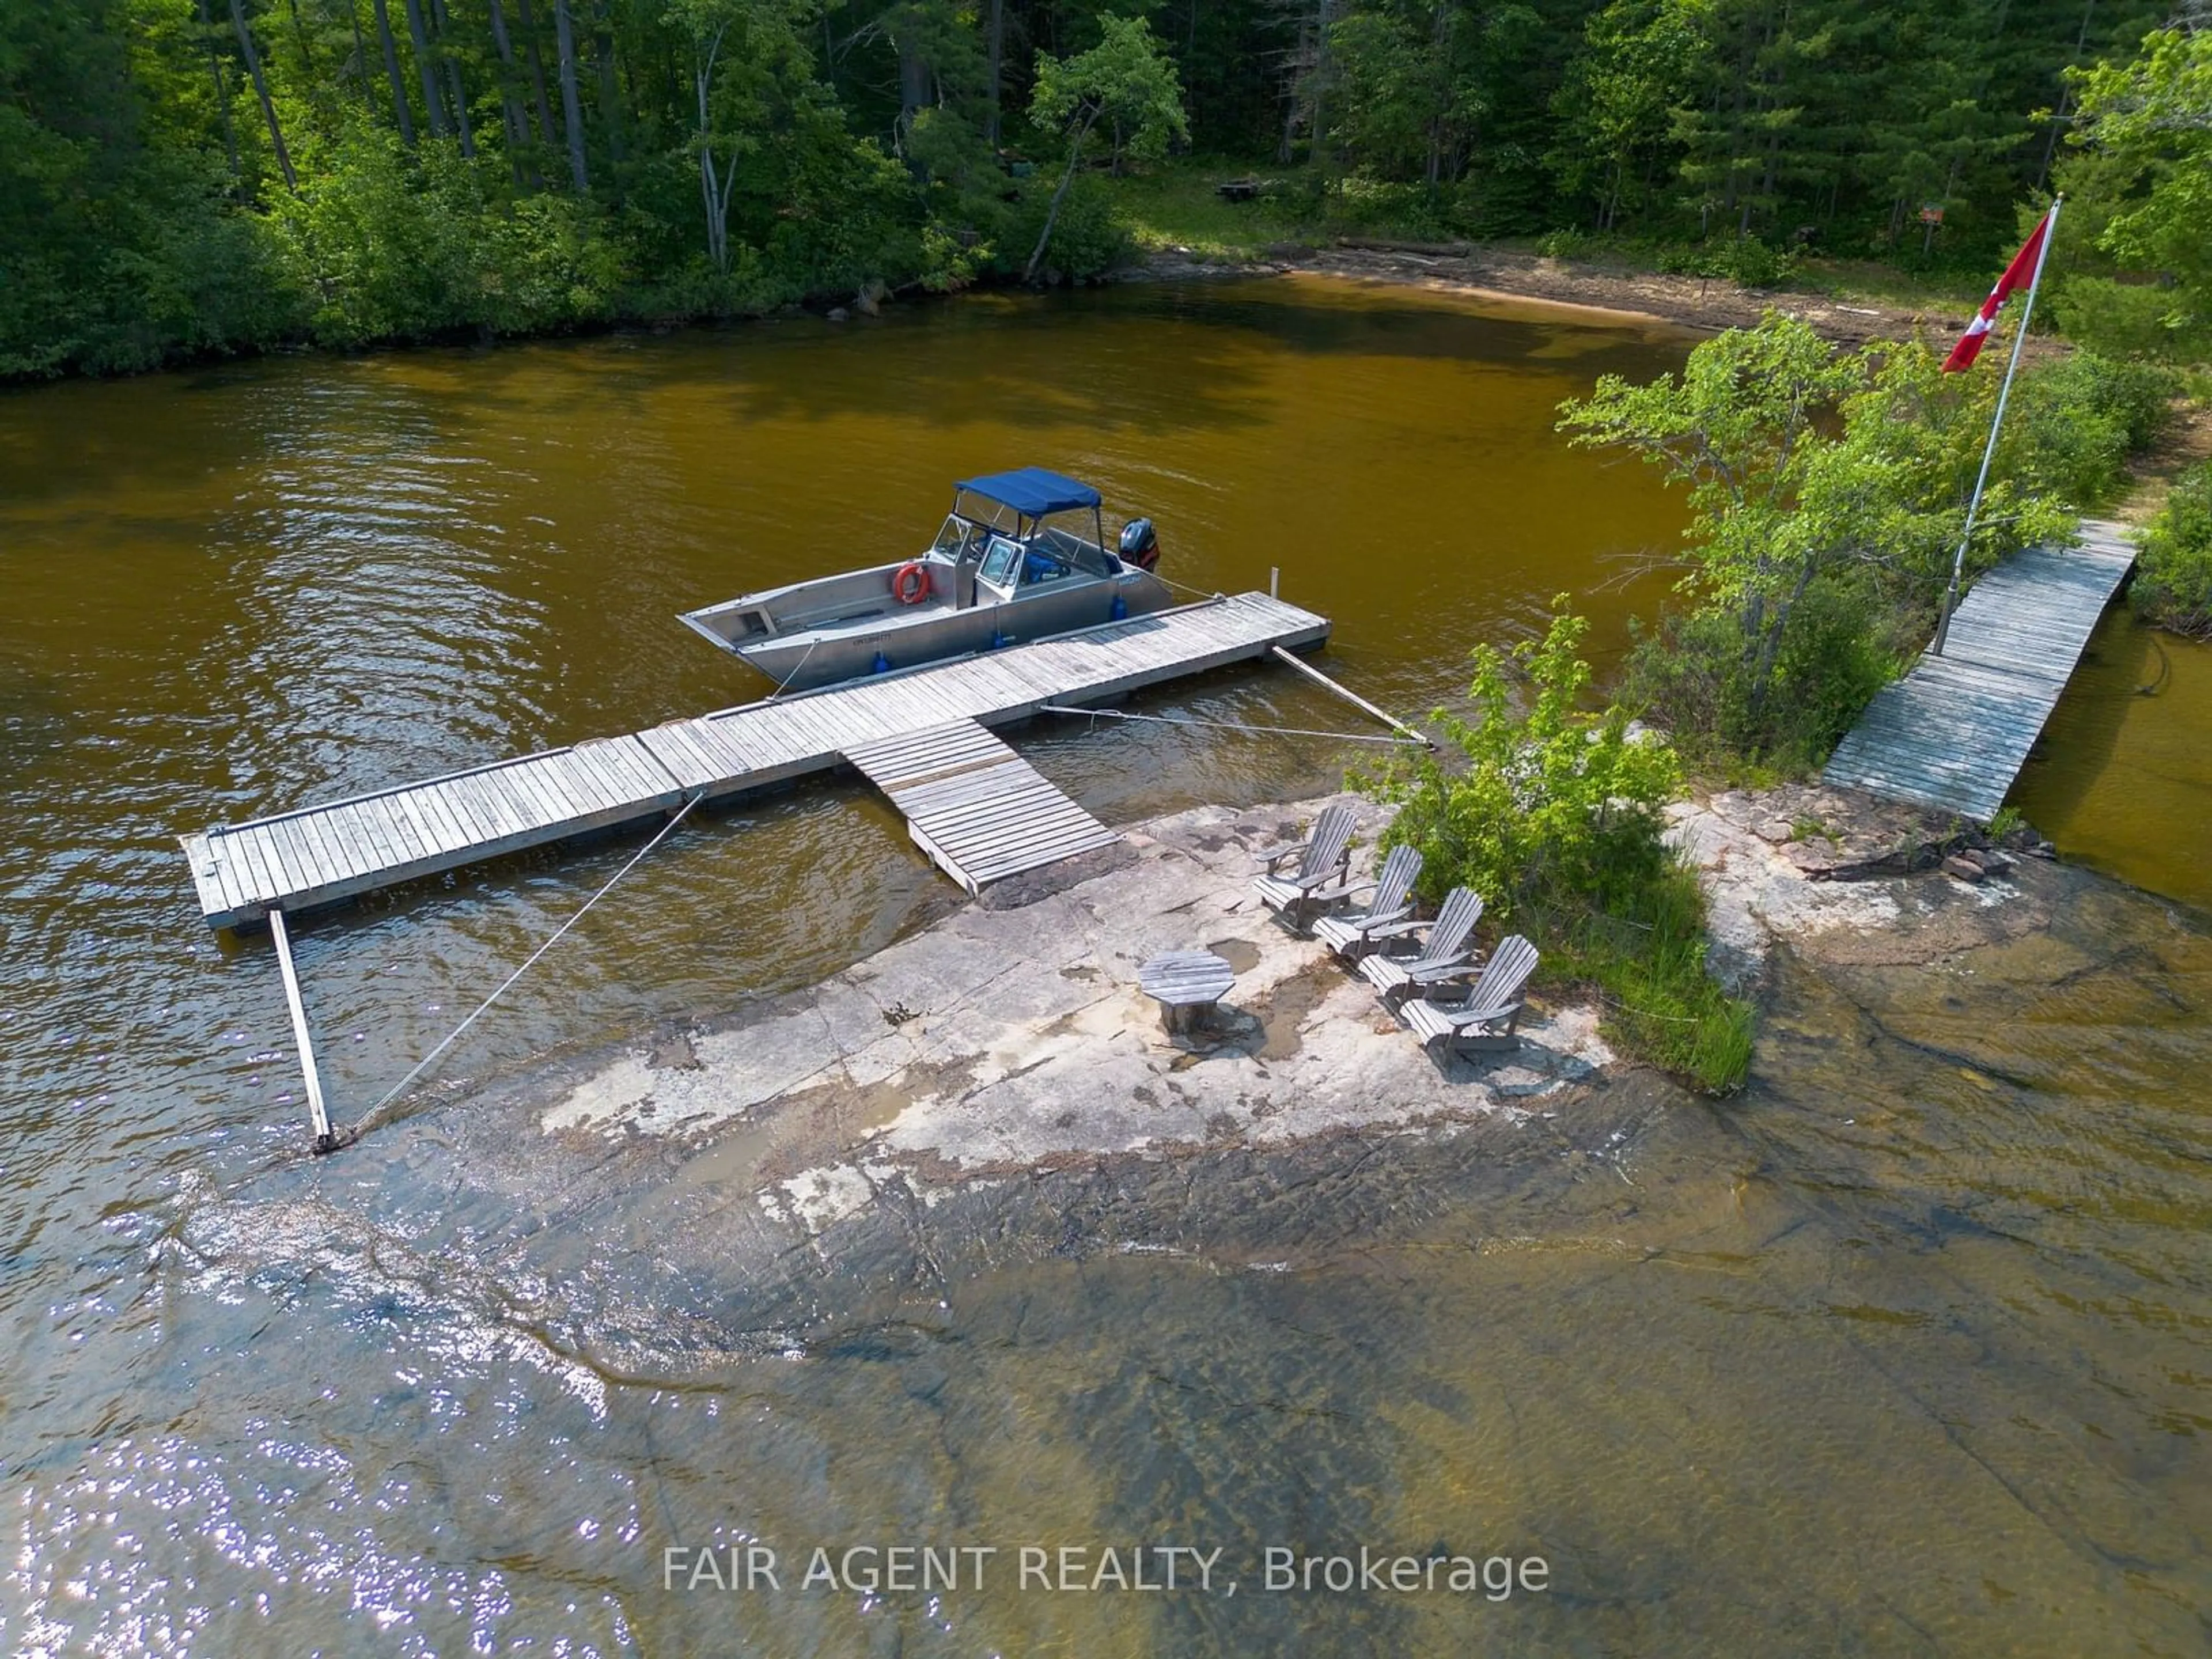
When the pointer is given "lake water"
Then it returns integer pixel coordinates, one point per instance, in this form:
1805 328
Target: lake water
1907 1349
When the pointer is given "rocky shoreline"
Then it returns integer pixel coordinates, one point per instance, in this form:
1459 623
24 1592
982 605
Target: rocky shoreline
1007 1044
1493 273
1010 1038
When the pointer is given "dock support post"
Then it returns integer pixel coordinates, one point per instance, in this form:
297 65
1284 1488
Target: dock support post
1352 697
318 1115
1275 572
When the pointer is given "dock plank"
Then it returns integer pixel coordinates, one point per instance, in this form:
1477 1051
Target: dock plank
1954 732
994 813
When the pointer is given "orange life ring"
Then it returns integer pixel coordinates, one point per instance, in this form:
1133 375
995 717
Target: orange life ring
910 582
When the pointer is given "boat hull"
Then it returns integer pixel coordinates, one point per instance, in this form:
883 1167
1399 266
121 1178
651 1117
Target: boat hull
801 661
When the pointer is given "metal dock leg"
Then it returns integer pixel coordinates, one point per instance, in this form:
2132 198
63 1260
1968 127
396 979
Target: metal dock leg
318 1115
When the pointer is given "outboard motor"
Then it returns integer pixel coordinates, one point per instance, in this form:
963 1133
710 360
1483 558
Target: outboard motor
1140 545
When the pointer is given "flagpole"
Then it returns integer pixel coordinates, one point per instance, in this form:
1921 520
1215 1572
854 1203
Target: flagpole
1989 454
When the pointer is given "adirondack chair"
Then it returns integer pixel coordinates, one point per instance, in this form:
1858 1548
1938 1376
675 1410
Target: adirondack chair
1351 935
1484 1020
1324 859
1446 953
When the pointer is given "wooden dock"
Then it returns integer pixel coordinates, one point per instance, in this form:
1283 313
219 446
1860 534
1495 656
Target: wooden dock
981 817
1954 732
979 810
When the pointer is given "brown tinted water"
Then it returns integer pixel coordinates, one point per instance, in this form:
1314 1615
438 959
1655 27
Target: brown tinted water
1905 1350
2122 778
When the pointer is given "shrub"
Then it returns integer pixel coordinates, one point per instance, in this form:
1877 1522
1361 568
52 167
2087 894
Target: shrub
546 264
1088 239
1566 245
2138 320
2075 422
1743 259
1691 675
1556 803
1556 820
2173 583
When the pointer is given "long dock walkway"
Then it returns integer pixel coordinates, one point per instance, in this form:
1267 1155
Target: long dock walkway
976 814
1954 732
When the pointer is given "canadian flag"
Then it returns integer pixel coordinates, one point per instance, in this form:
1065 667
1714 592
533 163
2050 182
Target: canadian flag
2017 275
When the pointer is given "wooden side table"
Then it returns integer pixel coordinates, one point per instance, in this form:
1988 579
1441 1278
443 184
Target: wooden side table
1187 984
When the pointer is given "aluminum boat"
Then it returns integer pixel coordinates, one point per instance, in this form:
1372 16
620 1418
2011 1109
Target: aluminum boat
1013 561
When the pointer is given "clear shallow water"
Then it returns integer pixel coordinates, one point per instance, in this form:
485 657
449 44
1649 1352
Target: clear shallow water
1904 1352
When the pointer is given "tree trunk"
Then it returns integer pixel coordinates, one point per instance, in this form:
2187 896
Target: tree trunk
261 91
1318 130
1439 38
307 46
392 70
914 83
1770 648
221 99
571 107
611 107
1052 213
514 116
713 190
996 48
426 70
454 85
2065 100
360 57
536 72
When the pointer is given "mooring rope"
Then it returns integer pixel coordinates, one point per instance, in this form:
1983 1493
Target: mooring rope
1185 587
1221 725
784 684
367 1118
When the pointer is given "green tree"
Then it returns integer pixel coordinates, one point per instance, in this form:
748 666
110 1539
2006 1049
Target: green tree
1816 479
1123 81
2148 191
2174 587
1556 818
1556 803
1640 63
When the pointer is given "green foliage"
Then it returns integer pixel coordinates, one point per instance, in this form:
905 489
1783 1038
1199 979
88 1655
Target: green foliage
1647 961
1828 491
1124 86
2173 583
1088 236
394 246
1555 818
1641 61
1691 672
1125 81
1744 259
2146 189
1556 803
2075 422
148 211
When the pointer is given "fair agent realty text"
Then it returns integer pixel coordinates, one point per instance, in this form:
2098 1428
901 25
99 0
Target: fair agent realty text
759 1568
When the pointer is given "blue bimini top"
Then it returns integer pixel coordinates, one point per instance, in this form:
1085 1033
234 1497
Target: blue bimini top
1032 491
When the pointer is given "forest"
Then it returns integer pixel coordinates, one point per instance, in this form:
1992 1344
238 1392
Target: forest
181 178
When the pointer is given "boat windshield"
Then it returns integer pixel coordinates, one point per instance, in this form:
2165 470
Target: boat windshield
960 538
1000 562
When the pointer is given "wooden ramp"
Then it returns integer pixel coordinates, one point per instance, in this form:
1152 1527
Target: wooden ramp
979 810
319 854
1954 732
